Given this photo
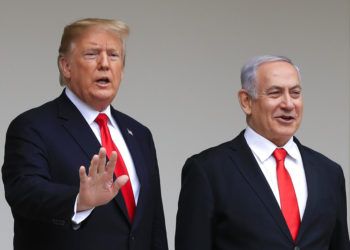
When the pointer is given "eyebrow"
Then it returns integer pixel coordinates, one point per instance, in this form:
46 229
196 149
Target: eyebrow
298 86
93 45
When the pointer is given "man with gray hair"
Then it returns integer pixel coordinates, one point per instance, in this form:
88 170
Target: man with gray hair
264 190
79 174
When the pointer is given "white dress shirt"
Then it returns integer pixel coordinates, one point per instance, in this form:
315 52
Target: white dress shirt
262 150
90 115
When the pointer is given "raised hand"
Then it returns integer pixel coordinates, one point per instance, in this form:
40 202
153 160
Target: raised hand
97 188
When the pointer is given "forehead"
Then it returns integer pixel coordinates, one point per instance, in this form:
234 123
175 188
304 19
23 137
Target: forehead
277 73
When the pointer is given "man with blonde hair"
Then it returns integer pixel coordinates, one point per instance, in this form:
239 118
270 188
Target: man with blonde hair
79 174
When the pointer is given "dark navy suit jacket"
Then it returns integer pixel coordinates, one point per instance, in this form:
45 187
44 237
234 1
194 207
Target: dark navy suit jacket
44 149
226 203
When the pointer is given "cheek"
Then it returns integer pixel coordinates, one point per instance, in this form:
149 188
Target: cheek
264 111
118 73
300 108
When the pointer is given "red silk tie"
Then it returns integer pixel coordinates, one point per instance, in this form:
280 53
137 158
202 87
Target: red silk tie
120 168
288 199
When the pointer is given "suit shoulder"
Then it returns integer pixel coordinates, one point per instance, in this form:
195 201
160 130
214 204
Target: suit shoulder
212 154
210 165
130 121
38 114
319 158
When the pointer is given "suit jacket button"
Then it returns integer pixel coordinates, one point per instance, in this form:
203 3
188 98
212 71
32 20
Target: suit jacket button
296 248
58 222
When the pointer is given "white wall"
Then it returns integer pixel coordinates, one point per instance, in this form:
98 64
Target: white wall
182 72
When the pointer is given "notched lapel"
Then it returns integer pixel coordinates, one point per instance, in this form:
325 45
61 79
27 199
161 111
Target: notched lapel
250 170
77 127
132 143
311 175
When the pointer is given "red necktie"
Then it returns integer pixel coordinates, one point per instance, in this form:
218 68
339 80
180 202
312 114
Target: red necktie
289 204
120 168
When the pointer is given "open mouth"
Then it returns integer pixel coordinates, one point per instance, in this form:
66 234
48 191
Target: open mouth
103 80
286 118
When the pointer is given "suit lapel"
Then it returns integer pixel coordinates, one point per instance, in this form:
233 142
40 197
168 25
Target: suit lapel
311 175
247 165
130 138
77 127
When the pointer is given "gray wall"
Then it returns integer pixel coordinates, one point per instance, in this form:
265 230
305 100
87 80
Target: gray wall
182 71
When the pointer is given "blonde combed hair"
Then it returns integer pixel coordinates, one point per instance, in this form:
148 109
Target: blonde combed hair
76 29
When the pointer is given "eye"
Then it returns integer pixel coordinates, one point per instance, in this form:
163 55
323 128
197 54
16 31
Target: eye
295 93
273 93
90 54
114 55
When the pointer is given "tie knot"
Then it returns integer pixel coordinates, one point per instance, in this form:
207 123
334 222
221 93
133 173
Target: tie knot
280 154
101 119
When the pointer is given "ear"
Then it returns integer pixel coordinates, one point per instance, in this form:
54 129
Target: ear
245 100
122 73
64 65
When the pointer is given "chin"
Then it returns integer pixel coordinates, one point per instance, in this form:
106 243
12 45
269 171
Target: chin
104 96
286 136
99 103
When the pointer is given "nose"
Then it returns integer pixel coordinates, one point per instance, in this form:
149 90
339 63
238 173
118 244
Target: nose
103 61
287 102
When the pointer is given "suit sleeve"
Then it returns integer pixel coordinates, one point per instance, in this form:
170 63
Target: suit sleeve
340 237
195 209
159 235
29 188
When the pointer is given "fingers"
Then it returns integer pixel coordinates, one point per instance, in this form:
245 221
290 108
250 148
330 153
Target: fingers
101 160
98 163
119 182
93 166
111 163
82 174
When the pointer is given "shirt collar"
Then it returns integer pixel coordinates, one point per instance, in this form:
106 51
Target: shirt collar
263 148
87 112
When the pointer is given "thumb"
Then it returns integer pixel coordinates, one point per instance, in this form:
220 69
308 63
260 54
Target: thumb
119 182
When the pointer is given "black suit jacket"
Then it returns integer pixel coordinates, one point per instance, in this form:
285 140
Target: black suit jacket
226 203
44 149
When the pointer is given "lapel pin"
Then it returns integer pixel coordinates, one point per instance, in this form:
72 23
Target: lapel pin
129 132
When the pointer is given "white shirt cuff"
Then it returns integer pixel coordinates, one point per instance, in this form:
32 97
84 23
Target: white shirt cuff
79 217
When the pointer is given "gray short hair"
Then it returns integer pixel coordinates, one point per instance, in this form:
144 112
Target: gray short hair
76 29
248 72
